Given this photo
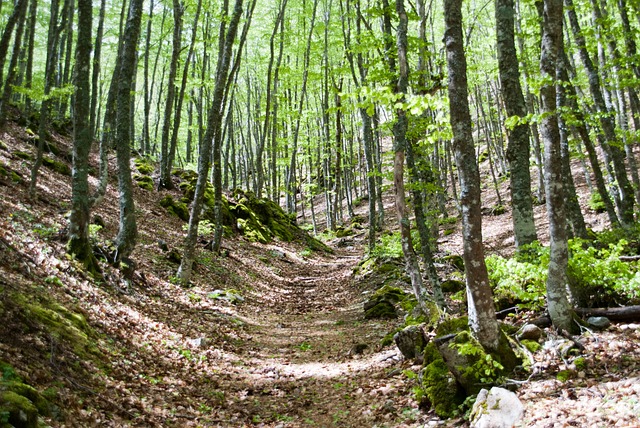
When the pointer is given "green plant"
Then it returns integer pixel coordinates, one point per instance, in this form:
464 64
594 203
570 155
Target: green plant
205 227
304 346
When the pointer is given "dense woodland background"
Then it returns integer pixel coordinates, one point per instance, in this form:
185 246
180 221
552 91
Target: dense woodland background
254 118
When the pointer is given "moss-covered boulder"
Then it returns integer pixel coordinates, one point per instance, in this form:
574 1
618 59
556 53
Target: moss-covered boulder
473 366
144 181
382 304
144 165
455 261
20 404
57 166
452 286
439 388
23 155
176 208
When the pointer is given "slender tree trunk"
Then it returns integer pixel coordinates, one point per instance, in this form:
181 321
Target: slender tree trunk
127 228
613 152
214 122
482 316
95 79
52 43
518 136
79 245
13 64
558 304
165 167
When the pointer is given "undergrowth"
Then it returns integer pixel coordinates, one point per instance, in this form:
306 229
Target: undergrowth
597 275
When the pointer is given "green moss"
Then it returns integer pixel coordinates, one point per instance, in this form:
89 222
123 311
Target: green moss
382 303
41 404
57 166
23 155
342 232
62 324
144 166
3 146
441 389
452 285
565 375
18 410
455 261
580 363
178 209
531 345
144 181
452 326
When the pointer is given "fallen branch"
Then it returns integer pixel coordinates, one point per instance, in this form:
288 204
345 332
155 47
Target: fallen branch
625 313
629 258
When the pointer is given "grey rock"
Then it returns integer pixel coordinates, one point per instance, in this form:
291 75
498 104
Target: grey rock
530 332
598 323
497 408
411 341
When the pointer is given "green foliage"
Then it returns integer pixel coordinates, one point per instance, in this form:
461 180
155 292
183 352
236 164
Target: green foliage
485 368
596 203
516 282
205 228
597 276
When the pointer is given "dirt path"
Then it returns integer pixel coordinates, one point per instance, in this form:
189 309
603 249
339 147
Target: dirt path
311 358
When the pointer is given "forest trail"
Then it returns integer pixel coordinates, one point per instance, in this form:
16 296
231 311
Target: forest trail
311 358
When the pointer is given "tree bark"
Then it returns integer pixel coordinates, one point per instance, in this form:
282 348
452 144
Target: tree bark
127 228
482 315
165 167
524 227
214 121
557 300
79 245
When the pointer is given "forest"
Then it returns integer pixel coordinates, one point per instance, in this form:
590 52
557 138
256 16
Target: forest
348 213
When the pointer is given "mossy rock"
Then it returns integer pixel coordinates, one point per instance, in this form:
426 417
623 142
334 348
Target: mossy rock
382 304
531 345
66 325
452 285
144 166
7 172
18 411
342 232
441 391
57 166
23 155
176 208
3 146
144 181
455 261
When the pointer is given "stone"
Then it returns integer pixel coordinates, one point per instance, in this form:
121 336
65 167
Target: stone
411 341
598 323
530 332
496 408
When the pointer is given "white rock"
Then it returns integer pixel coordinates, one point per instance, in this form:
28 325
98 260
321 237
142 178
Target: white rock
498 408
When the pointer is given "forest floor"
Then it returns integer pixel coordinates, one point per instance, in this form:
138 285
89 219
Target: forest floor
271 335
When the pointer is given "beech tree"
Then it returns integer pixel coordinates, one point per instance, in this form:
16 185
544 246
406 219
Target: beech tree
79 245
557 281
482 316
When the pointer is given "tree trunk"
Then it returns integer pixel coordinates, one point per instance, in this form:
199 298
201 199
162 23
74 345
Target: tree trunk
79 245
52 42
557 302
127 229
214 122
482 315
518 135
165 167
13 64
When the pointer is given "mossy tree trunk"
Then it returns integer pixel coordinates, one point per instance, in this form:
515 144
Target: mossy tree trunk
482 316
524 227
214 122
79 245
165 166
127 230
558 304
